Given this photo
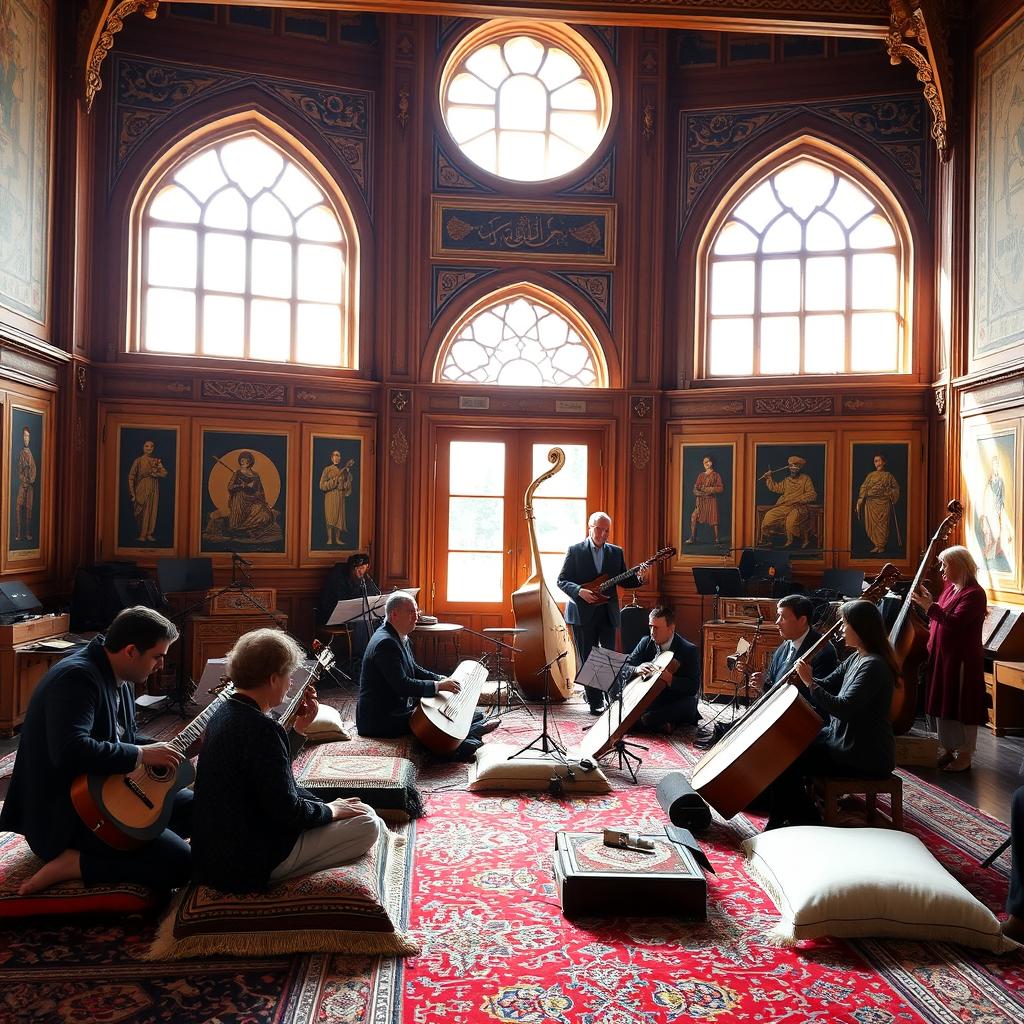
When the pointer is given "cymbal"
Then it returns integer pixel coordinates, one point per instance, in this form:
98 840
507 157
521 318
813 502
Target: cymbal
510 630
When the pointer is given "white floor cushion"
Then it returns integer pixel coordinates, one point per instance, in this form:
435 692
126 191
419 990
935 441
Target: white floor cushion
866 882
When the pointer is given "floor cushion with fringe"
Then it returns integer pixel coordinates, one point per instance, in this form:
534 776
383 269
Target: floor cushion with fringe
385 783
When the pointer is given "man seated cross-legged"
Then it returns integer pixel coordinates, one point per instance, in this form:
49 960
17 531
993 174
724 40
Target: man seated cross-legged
252 825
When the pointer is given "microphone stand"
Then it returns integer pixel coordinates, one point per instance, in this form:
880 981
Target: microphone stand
548 744
621 747
510 689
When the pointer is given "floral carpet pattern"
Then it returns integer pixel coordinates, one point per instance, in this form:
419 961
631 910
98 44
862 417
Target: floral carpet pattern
495 947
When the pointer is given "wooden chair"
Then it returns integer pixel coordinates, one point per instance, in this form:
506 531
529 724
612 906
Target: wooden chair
831 791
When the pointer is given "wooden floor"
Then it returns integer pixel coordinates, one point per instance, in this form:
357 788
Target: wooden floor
995 773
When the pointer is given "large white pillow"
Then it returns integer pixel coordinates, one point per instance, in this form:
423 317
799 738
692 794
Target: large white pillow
495 769
855 883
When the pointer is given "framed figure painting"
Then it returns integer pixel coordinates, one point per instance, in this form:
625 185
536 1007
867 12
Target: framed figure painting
879 493
707 498
789 498
990 461
243 487
27 447
147 488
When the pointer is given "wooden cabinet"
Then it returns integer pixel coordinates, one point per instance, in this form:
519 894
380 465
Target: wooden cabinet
23 664
720 640
1006 691
212 636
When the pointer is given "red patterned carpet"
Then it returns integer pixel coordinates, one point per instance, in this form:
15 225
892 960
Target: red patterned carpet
496 948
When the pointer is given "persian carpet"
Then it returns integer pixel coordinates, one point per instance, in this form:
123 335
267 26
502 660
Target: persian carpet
484 907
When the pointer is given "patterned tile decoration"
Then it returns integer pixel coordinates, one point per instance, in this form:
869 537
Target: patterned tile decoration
595 287
601 182
609 35
447 282
450 178
896 125
522 230
148 92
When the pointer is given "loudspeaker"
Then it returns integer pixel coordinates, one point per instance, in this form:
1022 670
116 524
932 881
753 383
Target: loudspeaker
683 806
102 590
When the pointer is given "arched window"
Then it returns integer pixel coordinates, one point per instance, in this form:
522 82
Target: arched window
526 101
805 271
522 336
245 251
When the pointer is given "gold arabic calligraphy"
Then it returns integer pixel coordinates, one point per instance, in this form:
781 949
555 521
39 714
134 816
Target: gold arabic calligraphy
525 231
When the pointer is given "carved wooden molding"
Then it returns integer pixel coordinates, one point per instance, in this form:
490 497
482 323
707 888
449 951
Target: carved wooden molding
996 393
720 407
641 452
244 391
927 21
647 122
101 41
940 400
399 400
642 407
81 378
399 446
403 108
795 405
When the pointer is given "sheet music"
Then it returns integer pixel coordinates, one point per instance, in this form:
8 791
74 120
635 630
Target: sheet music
601 668
355 608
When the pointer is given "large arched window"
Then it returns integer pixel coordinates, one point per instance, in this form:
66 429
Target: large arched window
245 250
522 336
526 101
805 270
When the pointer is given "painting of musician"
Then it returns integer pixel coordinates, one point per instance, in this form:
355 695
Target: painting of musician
992 496
244 491
707 498
25 478
147 475
789 498
878 524
335 491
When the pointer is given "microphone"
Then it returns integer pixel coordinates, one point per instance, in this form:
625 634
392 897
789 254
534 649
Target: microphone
235 557
560 657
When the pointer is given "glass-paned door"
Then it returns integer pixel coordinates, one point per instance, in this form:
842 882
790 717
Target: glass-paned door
482 550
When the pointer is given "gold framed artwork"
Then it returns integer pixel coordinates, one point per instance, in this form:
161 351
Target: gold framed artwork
990 456
337 485
28 483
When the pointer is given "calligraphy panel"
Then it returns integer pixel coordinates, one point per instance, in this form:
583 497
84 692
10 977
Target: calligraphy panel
522 231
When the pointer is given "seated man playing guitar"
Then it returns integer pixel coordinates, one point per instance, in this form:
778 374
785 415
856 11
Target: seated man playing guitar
677 703
391 683
252 825
81 720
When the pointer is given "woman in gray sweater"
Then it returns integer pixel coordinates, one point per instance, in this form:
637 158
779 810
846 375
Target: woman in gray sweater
857 739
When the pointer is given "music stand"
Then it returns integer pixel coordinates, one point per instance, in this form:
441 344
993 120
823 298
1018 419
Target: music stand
848 583
548 744
184 575
717 582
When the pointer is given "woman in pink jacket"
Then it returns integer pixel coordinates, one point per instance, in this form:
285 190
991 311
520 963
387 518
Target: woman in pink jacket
955 697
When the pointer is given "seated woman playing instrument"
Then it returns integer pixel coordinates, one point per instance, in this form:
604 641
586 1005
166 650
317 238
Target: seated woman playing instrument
857 740
251 824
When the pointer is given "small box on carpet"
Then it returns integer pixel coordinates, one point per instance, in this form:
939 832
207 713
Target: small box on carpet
919 751
594 879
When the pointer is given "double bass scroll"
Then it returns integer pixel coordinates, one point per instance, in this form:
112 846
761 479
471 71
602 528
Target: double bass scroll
546 660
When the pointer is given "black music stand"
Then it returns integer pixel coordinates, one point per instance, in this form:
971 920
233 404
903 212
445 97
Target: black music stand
548 743
717 582
847 583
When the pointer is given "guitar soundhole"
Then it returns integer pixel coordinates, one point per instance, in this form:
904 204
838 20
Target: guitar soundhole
160 772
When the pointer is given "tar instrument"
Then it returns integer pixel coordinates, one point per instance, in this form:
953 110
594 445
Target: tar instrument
546 660
126 811
909 633
603 587
773 733
442 722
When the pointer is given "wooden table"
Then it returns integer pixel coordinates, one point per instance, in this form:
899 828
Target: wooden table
23 663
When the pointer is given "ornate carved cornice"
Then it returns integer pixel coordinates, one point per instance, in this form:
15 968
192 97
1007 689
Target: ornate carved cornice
103 19
926 21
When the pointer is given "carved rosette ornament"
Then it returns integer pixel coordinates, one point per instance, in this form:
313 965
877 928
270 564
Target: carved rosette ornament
926 21
399 400
642 408
399 446
104 43
940 401
641 452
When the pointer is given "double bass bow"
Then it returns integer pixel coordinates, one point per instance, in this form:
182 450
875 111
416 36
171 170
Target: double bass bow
909 633
546 650
775 731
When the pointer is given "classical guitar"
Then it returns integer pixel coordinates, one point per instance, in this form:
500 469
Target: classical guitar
604 587
126 811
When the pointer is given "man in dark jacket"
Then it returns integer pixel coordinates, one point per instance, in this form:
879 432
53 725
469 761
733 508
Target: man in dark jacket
794 621
252 824
594 617
391 683
81 721
677 703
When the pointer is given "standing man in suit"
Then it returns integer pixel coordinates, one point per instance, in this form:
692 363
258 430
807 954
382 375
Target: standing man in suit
794 621
391 683
594 617
677 703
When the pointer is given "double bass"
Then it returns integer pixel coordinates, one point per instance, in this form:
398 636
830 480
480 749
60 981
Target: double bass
909 633
546 641
774 732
